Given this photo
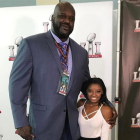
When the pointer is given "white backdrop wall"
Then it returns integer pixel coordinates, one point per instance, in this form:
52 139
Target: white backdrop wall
25 21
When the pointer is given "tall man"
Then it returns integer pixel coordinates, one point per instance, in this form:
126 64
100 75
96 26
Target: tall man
42 62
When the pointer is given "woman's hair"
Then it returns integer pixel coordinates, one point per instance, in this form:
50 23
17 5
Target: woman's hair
98 81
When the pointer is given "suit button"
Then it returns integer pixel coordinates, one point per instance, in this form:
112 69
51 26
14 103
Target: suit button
65 110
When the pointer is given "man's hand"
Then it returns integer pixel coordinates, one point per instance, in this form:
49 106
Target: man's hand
25 132
112 121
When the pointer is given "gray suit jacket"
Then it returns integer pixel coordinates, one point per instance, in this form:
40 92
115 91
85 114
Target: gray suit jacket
37 68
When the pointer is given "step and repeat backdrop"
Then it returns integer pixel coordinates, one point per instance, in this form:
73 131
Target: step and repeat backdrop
129 107
93 30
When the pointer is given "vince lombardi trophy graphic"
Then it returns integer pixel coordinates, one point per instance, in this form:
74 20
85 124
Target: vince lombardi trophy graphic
11 47
17 41
91 37
46 24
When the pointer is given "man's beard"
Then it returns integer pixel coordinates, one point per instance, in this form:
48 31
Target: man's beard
58 32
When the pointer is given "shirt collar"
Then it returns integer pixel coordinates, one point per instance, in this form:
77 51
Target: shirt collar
58 40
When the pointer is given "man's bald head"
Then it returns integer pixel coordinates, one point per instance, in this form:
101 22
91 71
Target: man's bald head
62 6
63 20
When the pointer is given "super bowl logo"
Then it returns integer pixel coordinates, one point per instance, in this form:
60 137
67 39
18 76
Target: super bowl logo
136 121
14 48
93 50
137 76
137 29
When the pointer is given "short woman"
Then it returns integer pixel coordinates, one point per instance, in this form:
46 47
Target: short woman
94 111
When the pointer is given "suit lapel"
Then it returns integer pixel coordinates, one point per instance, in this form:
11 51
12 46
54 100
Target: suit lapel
73 64
53 49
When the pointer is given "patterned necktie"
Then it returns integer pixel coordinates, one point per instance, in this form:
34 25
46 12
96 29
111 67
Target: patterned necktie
63 57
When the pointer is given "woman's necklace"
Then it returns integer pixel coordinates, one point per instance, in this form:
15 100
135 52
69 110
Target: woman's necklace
91 104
